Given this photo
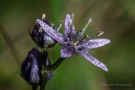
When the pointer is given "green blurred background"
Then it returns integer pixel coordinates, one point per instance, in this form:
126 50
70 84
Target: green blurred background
115 17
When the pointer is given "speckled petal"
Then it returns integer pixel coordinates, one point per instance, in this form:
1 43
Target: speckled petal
68 22
73 35
51 32
31 67
95 43
93 60
34 75
66 52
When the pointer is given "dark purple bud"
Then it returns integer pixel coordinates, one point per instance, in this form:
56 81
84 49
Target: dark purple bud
31 67
37 36
40 37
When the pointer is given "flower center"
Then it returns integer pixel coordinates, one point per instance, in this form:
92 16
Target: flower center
74 43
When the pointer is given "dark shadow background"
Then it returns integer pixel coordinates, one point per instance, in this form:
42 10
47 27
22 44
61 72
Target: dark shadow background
115 17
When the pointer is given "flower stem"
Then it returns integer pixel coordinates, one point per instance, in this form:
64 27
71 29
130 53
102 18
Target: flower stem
43 80
34 87
56 64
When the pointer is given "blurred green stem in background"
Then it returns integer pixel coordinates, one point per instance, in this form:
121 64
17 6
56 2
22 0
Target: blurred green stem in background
11 45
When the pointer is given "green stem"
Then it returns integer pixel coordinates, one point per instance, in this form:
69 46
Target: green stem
44 55
56 64
34 87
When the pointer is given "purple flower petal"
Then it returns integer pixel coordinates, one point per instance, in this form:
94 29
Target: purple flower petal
93 60
66 52
68 22
34 76
73 35
31 67
51 32
95 43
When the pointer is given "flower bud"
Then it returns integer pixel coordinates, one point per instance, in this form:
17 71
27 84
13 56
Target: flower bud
40 37
32 66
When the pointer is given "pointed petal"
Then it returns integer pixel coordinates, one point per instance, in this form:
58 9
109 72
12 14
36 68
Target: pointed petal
68 23
93 60
51 32
48 62
48 76
58 28
66 52
73 35
34 74
95 43
25 67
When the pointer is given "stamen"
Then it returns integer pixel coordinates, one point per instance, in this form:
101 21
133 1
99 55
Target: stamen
43 16
100 33
40 29
58 28
52 24
90 19
82 39
85 37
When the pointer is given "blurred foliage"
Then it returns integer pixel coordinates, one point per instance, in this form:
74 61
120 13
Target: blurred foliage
115 17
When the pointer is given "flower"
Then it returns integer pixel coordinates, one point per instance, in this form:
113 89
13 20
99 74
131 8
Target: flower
75 43
32 66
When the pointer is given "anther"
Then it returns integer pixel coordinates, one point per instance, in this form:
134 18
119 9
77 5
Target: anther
100 33
61 22
43 16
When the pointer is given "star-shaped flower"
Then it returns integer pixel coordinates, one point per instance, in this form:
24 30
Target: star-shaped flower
75 43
